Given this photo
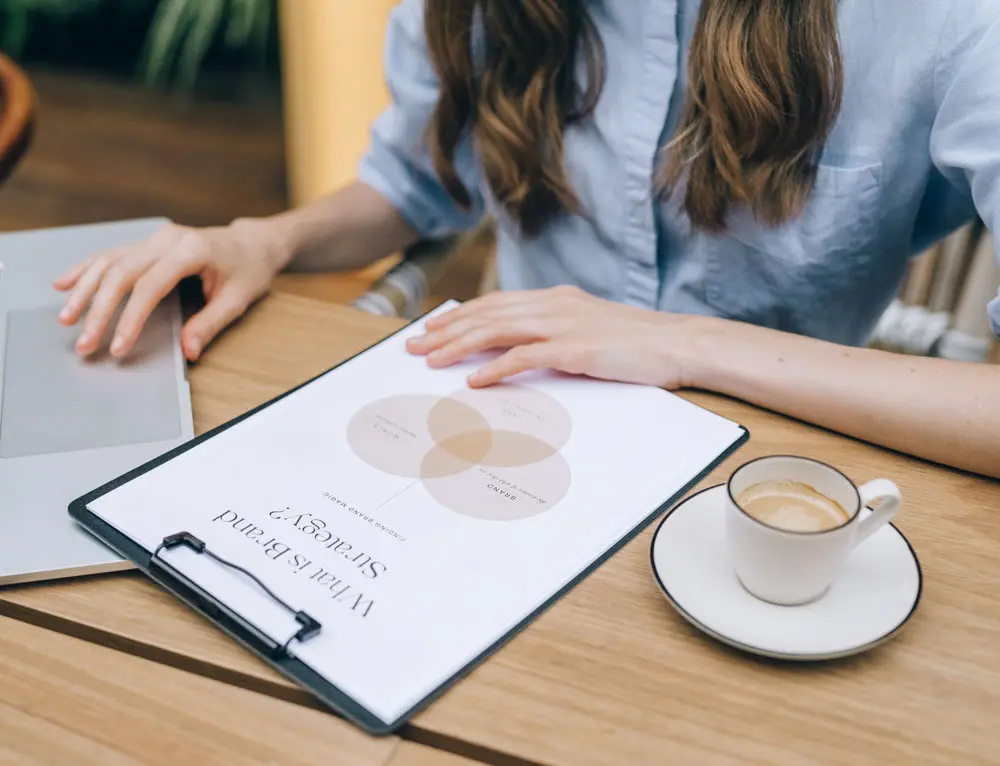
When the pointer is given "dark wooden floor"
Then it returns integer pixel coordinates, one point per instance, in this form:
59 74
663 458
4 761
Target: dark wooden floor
108 150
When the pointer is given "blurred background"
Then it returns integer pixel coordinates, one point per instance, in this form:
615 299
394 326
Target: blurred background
206 110
160 41
203 111
146 107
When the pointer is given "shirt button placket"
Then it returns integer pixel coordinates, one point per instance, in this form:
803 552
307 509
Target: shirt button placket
658 73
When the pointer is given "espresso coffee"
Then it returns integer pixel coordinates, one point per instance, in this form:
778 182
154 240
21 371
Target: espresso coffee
792 506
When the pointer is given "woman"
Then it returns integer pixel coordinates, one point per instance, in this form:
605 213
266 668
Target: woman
721 195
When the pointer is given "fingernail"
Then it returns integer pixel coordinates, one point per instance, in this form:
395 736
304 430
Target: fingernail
64 314
117 345
83 340
194 347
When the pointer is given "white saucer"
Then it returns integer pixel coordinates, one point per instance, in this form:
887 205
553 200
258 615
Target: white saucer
873 598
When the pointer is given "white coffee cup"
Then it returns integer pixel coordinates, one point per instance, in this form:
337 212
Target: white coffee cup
797 567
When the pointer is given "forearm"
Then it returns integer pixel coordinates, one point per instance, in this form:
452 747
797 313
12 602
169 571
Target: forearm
347 229
940 410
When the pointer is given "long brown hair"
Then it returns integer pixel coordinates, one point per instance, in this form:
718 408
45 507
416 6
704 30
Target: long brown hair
765 81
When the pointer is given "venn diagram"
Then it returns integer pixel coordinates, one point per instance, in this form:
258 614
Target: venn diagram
491 453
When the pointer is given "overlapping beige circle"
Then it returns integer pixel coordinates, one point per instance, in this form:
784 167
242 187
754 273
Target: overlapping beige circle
485 453
506 494
393 434
519 409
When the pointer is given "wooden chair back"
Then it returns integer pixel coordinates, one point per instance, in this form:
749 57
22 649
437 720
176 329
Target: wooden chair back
17 114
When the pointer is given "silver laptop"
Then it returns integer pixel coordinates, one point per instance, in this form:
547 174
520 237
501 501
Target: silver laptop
68 425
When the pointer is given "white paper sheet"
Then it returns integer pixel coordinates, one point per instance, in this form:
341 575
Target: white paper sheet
417 519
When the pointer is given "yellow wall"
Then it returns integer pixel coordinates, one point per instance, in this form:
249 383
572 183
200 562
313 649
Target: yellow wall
333 88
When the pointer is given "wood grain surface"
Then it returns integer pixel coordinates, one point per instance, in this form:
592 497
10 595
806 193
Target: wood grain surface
412 754
611 674
66 701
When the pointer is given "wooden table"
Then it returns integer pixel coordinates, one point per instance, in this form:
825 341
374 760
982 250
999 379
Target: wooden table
610 675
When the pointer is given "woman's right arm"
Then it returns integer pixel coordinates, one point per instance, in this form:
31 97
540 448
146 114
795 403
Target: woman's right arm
350 228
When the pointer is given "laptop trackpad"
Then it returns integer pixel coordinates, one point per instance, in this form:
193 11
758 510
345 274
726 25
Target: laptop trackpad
54 401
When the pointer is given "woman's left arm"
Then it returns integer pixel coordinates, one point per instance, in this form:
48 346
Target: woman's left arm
940 410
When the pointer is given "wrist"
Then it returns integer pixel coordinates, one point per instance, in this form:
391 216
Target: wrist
708 354
276 235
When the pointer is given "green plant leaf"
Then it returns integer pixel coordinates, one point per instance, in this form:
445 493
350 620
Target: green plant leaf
240 26
262 27
206 23
180 35
165 32
14 35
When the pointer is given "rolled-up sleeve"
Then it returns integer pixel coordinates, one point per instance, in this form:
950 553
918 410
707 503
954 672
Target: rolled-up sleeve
397 163
965 139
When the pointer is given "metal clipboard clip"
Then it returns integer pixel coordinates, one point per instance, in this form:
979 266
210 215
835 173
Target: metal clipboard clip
189 591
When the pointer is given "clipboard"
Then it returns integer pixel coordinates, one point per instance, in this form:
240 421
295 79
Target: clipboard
274 650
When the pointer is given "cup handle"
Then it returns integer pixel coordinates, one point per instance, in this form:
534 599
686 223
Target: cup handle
888 500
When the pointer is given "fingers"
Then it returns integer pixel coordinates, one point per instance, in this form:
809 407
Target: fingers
533 324
527 317
86 278
84 287
217 314
435 338
68 278
118 280
101 283
485 303
151 288
528 320
519 359
503 326
481 340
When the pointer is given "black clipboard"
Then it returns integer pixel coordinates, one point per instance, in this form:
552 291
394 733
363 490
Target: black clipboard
273 650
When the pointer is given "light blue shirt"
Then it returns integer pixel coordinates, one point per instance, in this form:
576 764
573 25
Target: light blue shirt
914 154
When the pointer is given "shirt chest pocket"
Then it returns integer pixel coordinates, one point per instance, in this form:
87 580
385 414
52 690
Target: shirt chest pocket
805 274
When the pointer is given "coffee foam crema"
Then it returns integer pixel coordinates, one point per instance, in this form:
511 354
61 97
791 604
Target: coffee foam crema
792 506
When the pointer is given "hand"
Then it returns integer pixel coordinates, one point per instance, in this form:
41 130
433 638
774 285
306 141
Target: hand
564 329
236 264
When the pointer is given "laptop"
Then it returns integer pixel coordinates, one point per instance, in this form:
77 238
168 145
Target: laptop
68 424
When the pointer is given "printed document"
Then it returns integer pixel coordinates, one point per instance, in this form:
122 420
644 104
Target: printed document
418 519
